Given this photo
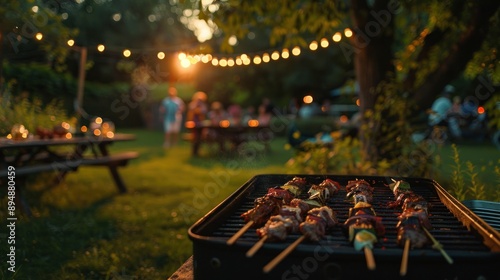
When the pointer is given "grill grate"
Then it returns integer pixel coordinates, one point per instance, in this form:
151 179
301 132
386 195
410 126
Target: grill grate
458 240
446 227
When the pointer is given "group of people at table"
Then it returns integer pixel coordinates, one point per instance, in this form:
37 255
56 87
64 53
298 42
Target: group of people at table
205 120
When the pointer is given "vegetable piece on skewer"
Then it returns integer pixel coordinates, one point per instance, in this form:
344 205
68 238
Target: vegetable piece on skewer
324 191
359 191
363 230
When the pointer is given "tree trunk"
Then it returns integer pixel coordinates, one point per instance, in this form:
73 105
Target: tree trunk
372 40
2 82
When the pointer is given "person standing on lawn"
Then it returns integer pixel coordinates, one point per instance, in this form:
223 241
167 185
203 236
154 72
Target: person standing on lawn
197 113
171 109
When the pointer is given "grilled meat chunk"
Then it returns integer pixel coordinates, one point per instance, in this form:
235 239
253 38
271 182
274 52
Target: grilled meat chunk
318 220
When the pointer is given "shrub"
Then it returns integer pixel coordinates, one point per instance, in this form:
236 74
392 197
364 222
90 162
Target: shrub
389 127
31 114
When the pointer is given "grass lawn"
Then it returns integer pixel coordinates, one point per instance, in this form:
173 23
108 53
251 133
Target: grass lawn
84 229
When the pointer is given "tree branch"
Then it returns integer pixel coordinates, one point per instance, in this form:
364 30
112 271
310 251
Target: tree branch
460 54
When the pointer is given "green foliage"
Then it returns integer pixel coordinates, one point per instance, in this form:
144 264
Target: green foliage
41 81
30 113
497 189
476 189
492 108
389 126
466 182
343 157
458 189
287 21
20 23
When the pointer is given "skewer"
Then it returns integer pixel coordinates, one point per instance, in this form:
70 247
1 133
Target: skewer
256 247
404 260
363 235
240 232
282 255
436 245
370 260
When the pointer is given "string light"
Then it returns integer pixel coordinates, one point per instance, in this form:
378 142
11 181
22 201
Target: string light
257 60
266 58
243 59
275 55
313 46
324 43
127 53
285 54
348 32
337 37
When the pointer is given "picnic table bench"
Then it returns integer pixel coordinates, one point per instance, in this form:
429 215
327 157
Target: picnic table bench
34 156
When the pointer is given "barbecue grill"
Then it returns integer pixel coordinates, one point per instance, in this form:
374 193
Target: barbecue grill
473 245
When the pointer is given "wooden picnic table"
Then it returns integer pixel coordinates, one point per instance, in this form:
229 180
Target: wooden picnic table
32 156
235 135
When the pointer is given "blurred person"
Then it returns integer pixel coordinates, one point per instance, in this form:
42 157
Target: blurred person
264 115
217 113
249 114
293 106
440 107
309 110
197 111
235 114
456 107
455 117
171 109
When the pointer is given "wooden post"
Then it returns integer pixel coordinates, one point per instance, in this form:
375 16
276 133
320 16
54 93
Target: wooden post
81 82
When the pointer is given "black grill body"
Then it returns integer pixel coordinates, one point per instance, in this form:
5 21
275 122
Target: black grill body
473 245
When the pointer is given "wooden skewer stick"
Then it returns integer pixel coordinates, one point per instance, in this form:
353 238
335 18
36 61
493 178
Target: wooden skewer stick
238 234
256 247
438 246
274 262
370 260
404 260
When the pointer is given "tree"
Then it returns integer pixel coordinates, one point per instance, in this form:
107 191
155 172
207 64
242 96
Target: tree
22 21
421 45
